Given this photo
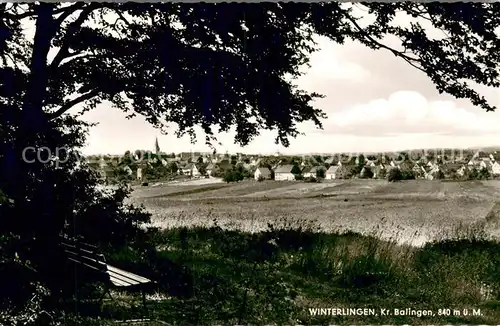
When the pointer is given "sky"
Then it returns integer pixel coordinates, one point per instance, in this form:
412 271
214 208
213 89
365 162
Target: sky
374 102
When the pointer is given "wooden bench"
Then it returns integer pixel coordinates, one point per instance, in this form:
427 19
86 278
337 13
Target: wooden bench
90 258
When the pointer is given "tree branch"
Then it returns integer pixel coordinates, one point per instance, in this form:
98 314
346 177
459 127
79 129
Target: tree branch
69 104
122 18
72 28
27 14
408 59
68 11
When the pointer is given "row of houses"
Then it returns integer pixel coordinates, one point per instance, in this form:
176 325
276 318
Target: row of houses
189 164
421 169
191 168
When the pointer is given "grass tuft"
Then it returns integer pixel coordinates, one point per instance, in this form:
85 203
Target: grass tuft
211 275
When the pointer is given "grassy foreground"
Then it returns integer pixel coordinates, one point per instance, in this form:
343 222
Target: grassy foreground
219 277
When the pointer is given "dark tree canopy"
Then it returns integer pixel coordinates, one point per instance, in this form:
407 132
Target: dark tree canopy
210 65
226 64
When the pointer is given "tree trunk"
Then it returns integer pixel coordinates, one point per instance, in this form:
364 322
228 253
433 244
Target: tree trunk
31 121
34 118
33 124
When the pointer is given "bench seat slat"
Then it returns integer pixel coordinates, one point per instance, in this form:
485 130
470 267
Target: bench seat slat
131 277
88 256
122 279
118 282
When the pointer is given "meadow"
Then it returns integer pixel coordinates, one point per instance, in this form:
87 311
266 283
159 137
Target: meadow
413 211
266 253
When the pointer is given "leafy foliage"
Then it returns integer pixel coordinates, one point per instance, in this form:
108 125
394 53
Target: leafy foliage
484 174
407 175
296 169
155 74
234 175
439 175
321 173
194 65
394 175
382 173
367 173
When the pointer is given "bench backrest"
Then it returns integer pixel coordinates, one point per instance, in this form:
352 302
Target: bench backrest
84 254
89 256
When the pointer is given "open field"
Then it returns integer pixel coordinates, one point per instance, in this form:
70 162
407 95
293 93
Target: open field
274 275
412 211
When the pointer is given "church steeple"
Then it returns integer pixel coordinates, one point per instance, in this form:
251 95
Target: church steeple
157 147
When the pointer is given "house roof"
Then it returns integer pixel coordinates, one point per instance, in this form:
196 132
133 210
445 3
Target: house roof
287 168
329 160
306 169
143 164
264 171
435 169
488 164
224 163
451 166
333 169
247 166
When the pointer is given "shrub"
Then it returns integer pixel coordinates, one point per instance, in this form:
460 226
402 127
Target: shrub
217 173
145 184
407 175
261 178
394 175
367 173
311 179
484 174
439 175
228 176
472 174
296 169
382 174
233 176
238 176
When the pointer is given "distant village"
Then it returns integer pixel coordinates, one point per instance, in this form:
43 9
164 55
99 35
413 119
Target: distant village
147 166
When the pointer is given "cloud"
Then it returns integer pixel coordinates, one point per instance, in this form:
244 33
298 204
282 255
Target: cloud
327 65
408 112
